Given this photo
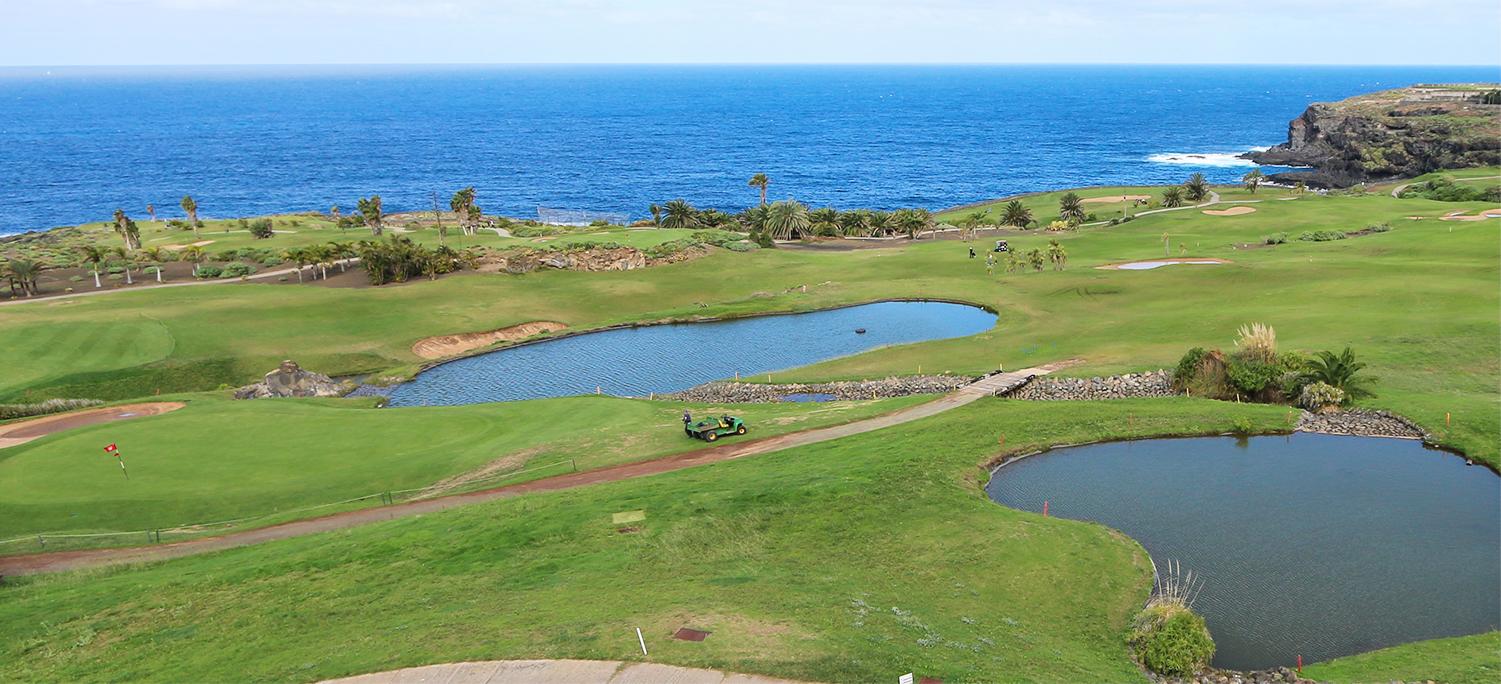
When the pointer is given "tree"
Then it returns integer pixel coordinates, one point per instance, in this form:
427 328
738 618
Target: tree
370 212
127 229
680 214
1172 197
196 255
463 205
760 181
1166 244
22 274
879 222
154 256
1300 187
1071 209
1014 262
151 211
191 208
341 252
92 254
912 222
333 213
1058 255
1015 214
1196 188
1339 371
1253 179
299 256
824 221
973 220
787 220
656 214
1036 259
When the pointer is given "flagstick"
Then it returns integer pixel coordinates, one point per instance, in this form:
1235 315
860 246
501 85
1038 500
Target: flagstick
121 459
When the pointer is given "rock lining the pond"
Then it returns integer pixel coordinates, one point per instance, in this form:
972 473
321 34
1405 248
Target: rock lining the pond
1157 383
853 390
290 380
1362 423
1280 675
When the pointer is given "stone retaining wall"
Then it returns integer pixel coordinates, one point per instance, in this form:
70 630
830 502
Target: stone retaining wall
756 393
1281 675
1158 383
1361 422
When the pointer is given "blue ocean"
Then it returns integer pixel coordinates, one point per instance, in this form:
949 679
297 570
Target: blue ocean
75 143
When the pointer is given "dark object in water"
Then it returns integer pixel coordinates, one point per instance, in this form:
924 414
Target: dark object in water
859 331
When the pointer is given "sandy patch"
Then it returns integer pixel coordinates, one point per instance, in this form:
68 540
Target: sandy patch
496 467
1232 211
447 345
1480 216
1149 264
201 243
1115 198
35 428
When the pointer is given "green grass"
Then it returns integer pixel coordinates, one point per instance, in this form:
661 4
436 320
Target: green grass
220 460
1460 660
844 561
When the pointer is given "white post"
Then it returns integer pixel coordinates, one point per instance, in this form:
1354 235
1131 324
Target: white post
642 640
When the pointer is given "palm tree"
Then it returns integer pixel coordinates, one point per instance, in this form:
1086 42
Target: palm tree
195 254
1058 255
1339 370
1166 244
1015 214
680 214
298 256
1014 262
880 223
1300 187
824 221
92 254
127 229
1253 179
1036 259
124 257
333 213
370 211
787 219
463 205
656 214
912 222
151 211
191 207
1071 209
760 181
973 220
342 252
1196 187
154 256
1172 197
22 273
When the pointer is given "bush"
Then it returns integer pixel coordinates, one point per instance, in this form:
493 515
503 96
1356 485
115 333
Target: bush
261 229
209 271
1319 395
1188 366
1321 236
1277 239
1171 640
272 261
10 411
1378 228
1251 377
236 270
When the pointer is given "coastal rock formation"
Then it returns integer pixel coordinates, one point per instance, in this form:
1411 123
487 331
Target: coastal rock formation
1361 422
1157 383
1390 134
290 380
755 393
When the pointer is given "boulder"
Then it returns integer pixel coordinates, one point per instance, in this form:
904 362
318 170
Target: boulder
290 380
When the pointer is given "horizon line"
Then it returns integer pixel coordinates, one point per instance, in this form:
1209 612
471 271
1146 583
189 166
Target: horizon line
1496 66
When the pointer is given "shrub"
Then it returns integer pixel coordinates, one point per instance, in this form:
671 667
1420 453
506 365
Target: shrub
1377 228
1257 341
1242 426
261 229
9 411
226 255
1188 366
1171 640
1275 239
207 271
1318 396
1251 377
76 279
1321 236
236 270
272 261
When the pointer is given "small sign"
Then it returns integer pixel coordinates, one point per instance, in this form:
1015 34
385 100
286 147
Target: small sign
905 679
111 449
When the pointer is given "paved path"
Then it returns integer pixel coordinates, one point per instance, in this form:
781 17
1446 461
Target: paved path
186 283
59 561
556 672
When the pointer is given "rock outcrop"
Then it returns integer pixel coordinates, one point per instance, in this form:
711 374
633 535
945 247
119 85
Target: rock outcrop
290 380
1362 422
1281 675
1157 383
1390 134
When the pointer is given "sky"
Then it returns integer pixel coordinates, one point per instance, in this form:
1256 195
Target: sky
195 32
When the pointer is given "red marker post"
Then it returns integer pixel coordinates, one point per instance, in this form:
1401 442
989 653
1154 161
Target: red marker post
1044 509
112 449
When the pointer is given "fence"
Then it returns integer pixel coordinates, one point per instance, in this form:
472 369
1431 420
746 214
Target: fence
65 540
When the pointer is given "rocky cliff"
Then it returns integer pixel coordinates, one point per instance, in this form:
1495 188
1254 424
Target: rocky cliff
1390 134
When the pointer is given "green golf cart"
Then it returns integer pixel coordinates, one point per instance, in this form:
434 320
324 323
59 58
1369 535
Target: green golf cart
714 428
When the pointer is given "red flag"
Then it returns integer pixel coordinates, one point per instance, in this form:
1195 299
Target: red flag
111 449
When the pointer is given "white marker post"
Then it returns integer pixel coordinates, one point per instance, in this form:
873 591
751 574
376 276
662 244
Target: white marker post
905 679
641 639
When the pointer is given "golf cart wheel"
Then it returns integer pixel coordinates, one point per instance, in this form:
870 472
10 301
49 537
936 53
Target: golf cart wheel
711 436
740 431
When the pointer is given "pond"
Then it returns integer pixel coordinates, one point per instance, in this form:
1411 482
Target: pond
674 357
1308 544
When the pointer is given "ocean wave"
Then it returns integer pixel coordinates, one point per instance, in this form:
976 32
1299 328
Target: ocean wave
1214 159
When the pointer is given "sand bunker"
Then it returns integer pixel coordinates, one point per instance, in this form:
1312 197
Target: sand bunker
1232 211
27 430
1480 216
444 346
1158 263
175 248
1115 198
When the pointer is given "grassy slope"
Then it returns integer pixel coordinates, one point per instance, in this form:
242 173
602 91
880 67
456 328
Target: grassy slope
1460 660
845 561
220 459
